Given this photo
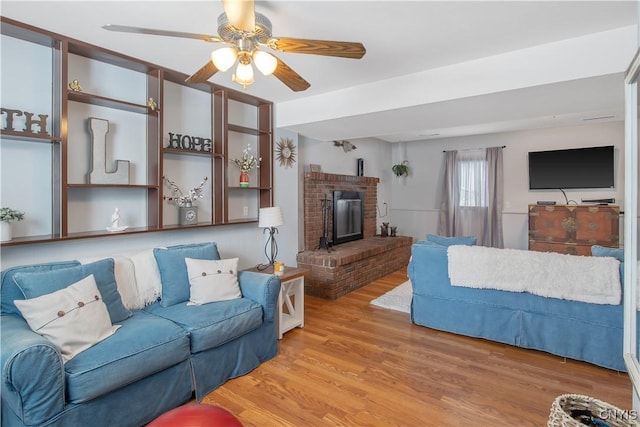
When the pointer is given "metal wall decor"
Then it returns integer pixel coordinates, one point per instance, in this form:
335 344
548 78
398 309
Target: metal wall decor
286 152
189 143
29 121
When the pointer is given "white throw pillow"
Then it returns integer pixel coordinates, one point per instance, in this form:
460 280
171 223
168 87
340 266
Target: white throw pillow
212 280
73 318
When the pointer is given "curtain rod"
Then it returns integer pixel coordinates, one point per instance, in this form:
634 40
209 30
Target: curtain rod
444 151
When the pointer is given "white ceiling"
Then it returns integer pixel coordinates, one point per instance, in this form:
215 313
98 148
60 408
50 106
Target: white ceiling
401 38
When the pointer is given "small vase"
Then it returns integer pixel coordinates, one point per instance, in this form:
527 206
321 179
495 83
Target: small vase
5 231
244 179
188 214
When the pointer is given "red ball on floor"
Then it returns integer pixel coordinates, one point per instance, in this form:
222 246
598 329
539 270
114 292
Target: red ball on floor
196 415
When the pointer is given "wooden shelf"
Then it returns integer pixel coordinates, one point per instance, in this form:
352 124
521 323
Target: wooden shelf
180 152
117 77
246 130
111 186
29 137
103 101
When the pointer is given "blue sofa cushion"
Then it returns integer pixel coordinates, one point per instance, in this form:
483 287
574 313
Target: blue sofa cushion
449 241
143 346
10 289
211 325
173 269
35 284
617 253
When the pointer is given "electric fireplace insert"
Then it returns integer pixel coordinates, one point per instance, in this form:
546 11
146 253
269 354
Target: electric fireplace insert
348 216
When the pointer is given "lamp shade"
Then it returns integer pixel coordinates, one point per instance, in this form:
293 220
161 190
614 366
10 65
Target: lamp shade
270 217
265 62
224 58
243 74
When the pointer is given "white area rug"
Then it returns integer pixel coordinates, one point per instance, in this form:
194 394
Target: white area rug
398 299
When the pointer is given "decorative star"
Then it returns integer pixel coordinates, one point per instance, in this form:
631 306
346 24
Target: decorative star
286 152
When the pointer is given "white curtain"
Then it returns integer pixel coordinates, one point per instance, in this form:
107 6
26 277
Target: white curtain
471 198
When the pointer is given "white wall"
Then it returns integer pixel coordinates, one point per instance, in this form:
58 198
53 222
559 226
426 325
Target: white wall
287 187
242 240
415 201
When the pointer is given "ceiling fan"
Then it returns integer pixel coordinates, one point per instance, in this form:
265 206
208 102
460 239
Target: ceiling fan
247 35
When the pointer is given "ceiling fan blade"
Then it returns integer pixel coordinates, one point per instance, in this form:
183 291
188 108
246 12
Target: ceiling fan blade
318 47
290 78
241 14
150 31
203 74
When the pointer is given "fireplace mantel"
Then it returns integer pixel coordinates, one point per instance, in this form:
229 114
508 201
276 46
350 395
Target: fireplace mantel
332 177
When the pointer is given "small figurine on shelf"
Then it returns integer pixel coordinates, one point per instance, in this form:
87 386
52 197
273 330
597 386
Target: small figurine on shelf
152 104
115 218
115 222
75 86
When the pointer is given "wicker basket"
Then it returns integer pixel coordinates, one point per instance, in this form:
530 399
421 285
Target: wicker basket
565 403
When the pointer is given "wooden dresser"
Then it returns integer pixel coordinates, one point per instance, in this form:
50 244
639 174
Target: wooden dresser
573 229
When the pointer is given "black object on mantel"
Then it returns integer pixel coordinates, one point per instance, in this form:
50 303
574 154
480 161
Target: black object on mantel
360 166
599 201
546 202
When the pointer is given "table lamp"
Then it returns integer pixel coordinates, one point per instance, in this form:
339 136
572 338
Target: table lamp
269 219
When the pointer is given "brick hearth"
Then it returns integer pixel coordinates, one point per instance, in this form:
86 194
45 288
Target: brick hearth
351 265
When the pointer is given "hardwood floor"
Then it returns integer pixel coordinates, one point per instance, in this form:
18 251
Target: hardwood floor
355 364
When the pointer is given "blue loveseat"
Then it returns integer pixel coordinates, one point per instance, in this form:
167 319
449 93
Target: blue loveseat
572 329
161 354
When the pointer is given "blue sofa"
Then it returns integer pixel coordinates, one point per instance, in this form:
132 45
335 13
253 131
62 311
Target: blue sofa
576 330
155 361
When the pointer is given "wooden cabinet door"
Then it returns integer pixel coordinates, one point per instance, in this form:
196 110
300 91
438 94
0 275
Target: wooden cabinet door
597 225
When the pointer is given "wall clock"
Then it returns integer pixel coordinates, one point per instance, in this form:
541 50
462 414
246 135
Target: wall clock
286 152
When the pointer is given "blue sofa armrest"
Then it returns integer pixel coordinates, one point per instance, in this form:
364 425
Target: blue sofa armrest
262 288
33 380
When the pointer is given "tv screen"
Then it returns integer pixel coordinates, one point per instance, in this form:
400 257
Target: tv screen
590 167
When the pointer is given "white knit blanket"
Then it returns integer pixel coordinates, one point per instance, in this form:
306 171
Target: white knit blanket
580 278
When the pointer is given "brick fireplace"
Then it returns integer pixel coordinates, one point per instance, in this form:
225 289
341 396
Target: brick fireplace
319 186
350 265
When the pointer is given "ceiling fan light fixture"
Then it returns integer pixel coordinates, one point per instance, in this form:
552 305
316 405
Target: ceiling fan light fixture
265 62
243 74
224 58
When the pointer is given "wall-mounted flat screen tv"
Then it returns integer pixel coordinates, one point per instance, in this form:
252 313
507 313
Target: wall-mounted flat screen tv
590 167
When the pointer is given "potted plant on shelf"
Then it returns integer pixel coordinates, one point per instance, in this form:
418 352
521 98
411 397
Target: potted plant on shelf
246 163
7 216
401 169
188 213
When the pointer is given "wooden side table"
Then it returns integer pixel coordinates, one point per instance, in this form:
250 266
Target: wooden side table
291 298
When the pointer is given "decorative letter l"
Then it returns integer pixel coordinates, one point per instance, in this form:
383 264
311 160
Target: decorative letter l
99 174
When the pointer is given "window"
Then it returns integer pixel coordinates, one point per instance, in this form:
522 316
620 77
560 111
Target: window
472 180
